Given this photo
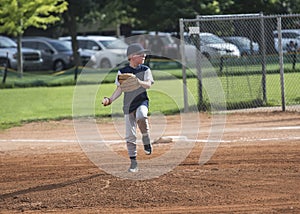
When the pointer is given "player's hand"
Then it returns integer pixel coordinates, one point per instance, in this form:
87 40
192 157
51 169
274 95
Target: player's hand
106 101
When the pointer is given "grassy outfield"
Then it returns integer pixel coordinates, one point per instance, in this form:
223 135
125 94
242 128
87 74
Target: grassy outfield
26 104
43 103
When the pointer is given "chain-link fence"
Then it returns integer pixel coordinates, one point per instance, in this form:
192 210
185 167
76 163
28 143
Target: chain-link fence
254 56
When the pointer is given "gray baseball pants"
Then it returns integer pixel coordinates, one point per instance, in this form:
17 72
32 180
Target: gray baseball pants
137 118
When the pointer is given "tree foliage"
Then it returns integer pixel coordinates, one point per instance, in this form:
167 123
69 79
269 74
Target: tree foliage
17 15
159 15
76 13
164 16
115 13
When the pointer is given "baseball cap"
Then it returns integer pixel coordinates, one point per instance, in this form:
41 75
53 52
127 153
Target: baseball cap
136 48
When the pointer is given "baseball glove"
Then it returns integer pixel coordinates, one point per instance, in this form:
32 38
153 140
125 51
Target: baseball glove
128 82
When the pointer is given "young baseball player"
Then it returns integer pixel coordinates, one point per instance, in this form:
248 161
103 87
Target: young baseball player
135 103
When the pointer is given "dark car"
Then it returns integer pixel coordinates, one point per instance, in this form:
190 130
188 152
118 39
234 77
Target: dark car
163 44
8 55
160 44
244 44
57 54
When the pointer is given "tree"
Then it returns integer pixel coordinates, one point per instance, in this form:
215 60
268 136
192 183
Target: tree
265 6
159 15
90 12
115 13
162 15
76 12
17 15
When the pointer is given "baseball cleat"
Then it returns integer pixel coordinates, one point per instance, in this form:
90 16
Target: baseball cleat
148 149
147 145
133 166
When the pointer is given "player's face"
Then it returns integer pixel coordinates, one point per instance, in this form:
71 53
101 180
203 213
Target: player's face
139 58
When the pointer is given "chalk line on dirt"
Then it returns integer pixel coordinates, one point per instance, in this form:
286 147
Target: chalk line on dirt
177 138
122 141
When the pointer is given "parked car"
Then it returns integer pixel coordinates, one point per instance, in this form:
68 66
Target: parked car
211 46
244 44
164 44
191 50
107 51
32 59
85 56
160 44
222 48
57 55
288 35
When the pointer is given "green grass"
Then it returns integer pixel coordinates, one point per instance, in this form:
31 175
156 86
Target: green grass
292 89
20 105
27 104
91 76
36 79
46 103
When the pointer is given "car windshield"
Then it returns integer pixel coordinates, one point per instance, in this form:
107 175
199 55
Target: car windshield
114 44
166 40
7 43
211 39
240 41
188 40
288 35
61 46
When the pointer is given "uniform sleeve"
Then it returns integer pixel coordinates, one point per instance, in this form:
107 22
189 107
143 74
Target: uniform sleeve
116 80
148 76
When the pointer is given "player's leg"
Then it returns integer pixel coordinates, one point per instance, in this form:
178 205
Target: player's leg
142 121
130 123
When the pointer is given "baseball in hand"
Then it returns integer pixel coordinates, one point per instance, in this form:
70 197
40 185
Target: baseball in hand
106 101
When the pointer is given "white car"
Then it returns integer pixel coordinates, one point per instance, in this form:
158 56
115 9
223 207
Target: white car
220 47
108 51
211 46
190 50
287 36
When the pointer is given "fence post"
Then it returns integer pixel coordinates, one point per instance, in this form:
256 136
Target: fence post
201 105
281 63
5 69
183 61
75 73
263 53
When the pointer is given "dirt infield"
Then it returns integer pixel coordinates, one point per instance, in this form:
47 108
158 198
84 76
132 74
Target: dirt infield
256 169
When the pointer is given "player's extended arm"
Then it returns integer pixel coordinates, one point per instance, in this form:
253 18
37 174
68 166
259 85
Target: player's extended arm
108 100
145 84
117 93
